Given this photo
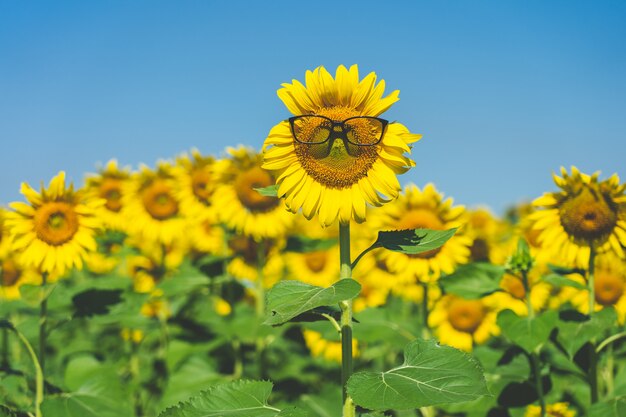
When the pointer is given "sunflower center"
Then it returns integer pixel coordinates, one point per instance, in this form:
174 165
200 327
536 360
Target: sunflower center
245 184
55 223
382 265
200 184
336 167
588 216
9 273
609 288
315 261
479 250
248 249
111 191
158 201
466 315
421 218
513 286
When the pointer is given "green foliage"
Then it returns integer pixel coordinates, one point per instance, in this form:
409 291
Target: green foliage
615 407
288 299
520 261
235 399
559 281
303 244
576 329
413 241
270 191
527 333
431 374
473 281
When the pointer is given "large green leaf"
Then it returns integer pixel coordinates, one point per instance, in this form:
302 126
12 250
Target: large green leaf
527 333
413 241
474 280
431 374
235 399
577 330
288 299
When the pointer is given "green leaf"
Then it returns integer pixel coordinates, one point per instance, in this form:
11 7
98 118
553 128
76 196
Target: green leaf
235 399
564 270
270 191
612 408
527 333
473 281
413 241
303 244
95 302
574 332
431 374
557 280
288 299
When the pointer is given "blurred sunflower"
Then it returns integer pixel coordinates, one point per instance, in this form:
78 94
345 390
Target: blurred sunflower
13 276
609 284
319 268
248 254
552 410
329 350
109 184
489 236
153 264
514 294
5 238
151 207
205 236
195 179
462 323
55 230
239 206
586 212
337 178
426 209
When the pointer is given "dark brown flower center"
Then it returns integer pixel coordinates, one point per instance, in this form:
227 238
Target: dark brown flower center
55 223
466 315
609 288
248 249
316 261
588 216
111 191
336 167
245 185
158 200
201 185
9 273
479 250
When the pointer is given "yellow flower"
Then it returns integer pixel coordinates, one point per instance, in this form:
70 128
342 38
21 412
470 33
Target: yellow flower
552 410
196 184
462 323
246 255
337 179
206 237
328 349
514 295
156 307
319 268
609 284
585 212
489 237
152 209
239 206
109 184
55 230
5 238
222 307
425 209
134 335
13 276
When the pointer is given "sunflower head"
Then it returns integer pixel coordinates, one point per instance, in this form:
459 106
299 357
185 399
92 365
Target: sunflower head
55 230
339 155
585 213
196 183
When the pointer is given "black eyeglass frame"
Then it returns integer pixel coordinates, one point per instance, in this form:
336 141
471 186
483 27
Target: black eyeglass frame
332 132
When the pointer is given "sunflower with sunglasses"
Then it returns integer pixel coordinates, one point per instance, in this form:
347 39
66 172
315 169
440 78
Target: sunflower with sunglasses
336 156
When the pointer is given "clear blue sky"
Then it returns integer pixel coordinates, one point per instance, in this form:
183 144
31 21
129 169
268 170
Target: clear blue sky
504 92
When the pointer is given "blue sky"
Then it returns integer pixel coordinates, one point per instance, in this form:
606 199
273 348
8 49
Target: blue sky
503 92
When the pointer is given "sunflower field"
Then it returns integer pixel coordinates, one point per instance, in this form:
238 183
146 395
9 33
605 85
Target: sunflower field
301 280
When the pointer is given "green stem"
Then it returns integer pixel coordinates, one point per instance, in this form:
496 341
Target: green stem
426 329
345 272
529 304
43 318
134 374
534 359
38 372
5 349
606 342
610 368
593 356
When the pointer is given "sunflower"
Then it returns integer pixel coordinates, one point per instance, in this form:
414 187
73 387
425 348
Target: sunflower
5 238
196 184
151 207
55 230
489 237
337 178
239 206
13 276
109 184
462 323
552 410
246 255
425 209
514 294
206 237
609 285
153 264
585 213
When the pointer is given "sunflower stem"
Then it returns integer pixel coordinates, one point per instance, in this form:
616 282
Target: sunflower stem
593 356
39 381
534 356
345 272
43 318
426 329
529 304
